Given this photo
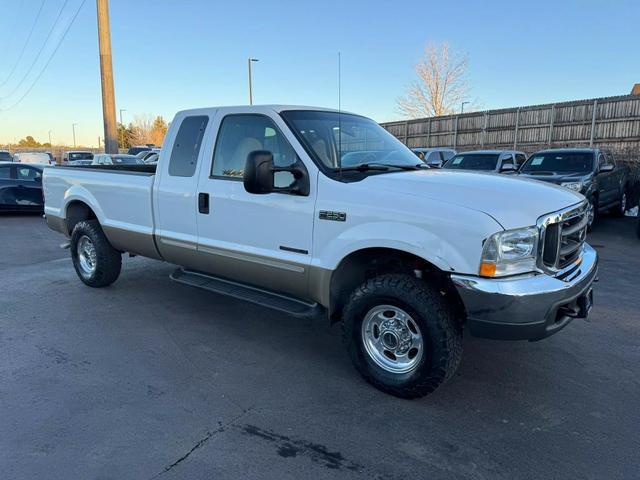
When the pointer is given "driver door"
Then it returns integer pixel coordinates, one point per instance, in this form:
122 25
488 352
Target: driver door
264 240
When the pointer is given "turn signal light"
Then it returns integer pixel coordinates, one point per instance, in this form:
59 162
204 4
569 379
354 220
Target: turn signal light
487 269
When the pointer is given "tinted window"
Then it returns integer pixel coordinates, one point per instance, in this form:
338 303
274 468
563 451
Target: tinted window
448 154
520 159
5 172
124 159
5 157
474 161
186 147
29 174
559 162
240 135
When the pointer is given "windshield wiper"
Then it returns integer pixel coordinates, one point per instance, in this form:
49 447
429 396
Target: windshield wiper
364 167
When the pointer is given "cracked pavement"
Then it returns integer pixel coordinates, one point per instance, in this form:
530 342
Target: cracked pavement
151 379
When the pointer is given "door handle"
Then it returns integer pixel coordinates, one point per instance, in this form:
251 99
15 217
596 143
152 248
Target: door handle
203 203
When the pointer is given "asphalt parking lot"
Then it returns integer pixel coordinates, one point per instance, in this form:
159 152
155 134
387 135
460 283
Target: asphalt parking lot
151 379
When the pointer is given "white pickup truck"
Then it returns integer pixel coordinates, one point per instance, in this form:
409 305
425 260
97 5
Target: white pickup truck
313 211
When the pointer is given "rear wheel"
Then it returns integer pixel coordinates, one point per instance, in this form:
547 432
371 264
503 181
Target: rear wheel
401 335
96 262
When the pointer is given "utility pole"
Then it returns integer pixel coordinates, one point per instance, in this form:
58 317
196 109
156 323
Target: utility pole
249 62
106 78
73 126
50 144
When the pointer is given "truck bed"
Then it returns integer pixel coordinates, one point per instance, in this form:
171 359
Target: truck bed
119 195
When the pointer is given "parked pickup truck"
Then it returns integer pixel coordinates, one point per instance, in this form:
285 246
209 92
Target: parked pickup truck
259 203
590 171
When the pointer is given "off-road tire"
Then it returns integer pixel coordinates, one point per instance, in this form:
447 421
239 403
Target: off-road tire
442 334
108 260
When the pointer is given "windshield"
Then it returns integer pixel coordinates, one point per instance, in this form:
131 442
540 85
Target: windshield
474 161
5 157
560 162
80 156
333 138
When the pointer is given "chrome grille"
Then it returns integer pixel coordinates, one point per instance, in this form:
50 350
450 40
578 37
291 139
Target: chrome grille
563 234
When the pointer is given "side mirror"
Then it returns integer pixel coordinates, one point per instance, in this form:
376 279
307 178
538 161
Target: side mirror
259 175
606 168
507 167
435 164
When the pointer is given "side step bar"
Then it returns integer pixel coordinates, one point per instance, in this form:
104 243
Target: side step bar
259 296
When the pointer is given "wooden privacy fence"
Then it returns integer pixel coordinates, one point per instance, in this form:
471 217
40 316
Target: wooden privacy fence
613 122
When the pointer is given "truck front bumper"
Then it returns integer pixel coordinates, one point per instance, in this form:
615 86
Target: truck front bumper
529 307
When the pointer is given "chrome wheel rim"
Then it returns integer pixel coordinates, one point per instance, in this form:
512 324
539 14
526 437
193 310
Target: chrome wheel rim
87 257
392 339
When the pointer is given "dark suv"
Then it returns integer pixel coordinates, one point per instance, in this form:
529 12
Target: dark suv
589 171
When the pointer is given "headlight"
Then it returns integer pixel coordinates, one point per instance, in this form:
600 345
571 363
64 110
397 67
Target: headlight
510 252
575 186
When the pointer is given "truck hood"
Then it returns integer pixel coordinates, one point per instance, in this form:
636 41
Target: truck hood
512 201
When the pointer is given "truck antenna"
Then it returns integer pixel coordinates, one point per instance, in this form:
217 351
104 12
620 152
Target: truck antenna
340 114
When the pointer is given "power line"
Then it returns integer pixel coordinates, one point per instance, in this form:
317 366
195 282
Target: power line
24 47
48 61
37 57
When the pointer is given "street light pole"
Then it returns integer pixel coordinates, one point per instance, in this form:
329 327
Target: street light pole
73 126
121 129
462 107
249 62
50 144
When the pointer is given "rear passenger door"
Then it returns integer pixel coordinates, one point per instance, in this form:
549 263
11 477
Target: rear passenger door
175 191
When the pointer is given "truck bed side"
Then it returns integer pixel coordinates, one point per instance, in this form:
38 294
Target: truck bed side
120 199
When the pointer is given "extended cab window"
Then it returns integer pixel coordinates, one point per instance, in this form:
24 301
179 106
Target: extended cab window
186 147
520 159
239 135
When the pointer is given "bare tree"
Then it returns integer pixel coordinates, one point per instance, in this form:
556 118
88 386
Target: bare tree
147 129
441 86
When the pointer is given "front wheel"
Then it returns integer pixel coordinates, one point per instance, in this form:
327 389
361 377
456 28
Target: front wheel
622 207
592 212
402 336
96 262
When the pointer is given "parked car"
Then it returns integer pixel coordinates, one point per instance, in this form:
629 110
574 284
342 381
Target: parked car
115 159
5 156
590 171
136 149
73 155
498 161
255 202
21 187
434 157
38 158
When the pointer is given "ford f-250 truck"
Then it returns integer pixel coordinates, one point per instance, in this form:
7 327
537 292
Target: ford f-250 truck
313 211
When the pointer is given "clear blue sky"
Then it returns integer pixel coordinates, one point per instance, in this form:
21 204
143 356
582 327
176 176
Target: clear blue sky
171 55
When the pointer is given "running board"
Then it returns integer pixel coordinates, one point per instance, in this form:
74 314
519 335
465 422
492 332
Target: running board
258 296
